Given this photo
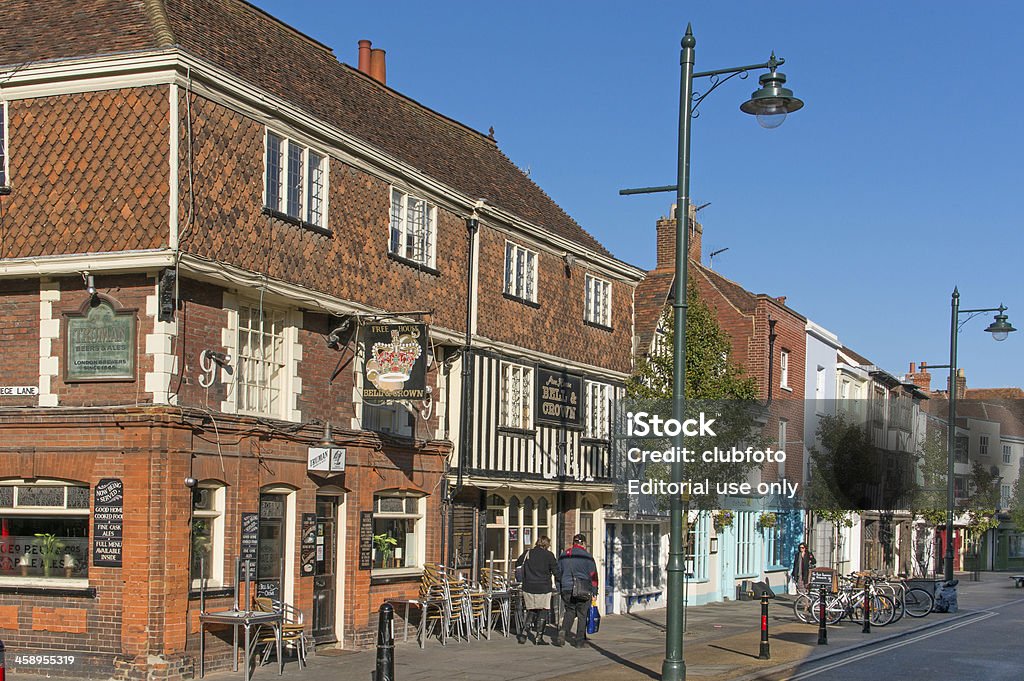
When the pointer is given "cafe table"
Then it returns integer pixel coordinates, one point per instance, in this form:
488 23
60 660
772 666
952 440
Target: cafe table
248 621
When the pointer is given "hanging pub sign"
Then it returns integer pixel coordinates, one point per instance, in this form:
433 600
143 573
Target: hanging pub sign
396 362
559 399
108 523
100 343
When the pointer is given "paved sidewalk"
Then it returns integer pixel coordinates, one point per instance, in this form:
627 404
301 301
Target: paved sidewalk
721 642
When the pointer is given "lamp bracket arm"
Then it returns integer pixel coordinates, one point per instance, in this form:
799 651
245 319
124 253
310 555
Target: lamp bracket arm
741 69
999 309
716 80
973 313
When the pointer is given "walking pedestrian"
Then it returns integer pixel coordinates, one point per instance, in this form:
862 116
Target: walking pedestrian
803 563
578 583
539 568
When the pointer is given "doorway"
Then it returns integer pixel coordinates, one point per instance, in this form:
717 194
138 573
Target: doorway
325 578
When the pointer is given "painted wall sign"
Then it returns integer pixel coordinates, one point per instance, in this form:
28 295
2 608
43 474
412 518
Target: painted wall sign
250 540
365 540
108 523
396 362
307 553
559 399
100 344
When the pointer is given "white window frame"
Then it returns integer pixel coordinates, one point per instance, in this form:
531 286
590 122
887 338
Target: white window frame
983 445
598 418
4 170
418 531
309 202
215 514
698 543
597 301
393 419
516 396
783 434
419 245
261 386
784 369
1004 496
747 563
1007 454
520 272
16 510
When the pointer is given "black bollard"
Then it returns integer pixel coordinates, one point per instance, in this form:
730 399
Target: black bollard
765 654
822 631
867 610
386 644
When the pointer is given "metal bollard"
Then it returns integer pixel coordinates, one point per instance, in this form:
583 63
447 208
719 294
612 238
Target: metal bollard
765 653
385 644
822 630
867 612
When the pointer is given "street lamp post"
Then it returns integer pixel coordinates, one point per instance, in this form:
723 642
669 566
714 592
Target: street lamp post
1000 329
770 104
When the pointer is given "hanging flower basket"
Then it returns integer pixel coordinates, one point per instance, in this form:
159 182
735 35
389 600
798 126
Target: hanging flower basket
722 519
767 521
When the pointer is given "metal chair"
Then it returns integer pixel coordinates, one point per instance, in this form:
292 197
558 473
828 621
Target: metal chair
293 632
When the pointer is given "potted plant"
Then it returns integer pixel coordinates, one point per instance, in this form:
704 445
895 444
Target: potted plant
384 545
722 519
49 548
767 521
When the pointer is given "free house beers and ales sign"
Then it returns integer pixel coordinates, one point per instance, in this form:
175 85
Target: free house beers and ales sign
100 344
396 363
559 399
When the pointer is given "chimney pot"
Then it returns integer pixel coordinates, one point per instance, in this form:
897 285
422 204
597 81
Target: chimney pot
364 56
913 369
378 71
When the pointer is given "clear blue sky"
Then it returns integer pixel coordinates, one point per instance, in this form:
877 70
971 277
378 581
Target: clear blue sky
899 179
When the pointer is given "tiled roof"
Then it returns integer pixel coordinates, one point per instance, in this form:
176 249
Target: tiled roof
995 394
267 53
741 299
649 301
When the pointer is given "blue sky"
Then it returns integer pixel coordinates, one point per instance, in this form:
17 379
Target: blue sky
899 179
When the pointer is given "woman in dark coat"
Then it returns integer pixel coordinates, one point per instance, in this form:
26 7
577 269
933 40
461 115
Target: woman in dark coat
539 568
803 563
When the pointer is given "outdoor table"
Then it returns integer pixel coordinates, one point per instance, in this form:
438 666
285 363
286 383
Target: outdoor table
248 620
407 602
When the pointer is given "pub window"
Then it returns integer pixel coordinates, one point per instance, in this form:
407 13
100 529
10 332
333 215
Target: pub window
276 543
44 530
3 145
598 413
514 526
207 534
397 531
520 272
516 396
264 337
597 301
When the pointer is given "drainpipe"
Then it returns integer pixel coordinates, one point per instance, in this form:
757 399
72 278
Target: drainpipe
466 400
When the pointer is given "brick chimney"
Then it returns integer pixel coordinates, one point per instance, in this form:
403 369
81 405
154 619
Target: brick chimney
961 384
922 379
667 240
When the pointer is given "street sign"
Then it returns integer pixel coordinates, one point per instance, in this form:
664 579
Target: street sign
326 459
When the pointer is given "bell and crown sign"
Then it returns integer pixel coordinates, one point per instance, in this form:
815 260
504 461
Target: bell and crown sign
396 363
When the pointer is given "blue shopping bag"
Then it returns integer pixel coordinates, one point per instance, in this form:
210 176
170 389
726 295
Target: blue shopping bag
593 618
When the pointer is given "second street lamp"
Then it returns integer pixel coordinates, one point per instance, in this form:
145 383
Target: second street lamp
770 103
1000 328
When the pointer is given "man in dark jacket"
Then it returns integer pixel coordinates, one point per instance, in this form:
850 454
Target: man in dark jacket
576 566
539 567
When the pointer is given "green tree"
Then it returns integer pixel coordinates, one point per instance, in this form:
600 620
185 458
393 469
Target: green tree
714 385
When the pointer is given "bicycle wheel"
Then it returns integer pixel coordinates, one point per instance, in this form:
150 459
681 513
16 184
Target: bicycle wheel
802 609
918 602
882 610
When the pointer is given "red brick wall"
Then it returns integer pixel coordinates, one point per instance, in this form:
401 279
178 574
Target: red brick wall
19 338
89 173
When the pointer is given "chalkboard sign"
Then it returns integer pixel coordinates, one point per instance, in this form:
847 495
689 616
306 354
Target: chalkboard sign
269 589
365 540
307 553
823 577
108 523
250 540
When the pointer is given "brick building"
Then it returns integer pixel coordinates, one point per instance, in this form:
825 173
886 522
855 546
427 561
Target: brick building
768 341
206 222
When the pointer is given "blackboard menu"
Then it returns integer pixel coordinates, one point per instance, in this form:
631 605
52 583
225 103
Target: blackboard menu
250 540
108 523
268 589
365 540
823 577
307 552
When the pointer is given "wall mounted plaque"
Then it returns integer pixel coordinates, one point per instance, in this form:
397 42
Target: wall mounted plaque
100 343
108 523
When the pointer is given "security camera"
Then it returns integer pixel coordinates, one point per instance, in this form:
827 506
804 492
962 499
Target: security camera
191 482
